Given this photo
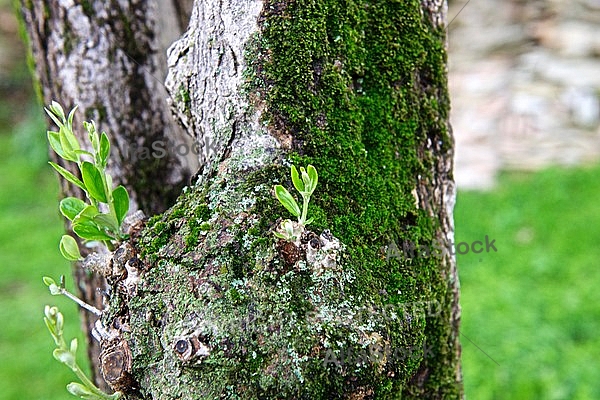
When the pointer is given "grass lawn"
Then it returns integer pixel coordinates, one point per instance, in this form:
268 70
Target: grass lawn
534 306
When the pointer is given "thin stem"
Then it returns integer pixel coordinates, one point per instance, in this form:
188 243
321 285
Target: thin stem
81 303
89 384
109 198
58 336
305 201
84 379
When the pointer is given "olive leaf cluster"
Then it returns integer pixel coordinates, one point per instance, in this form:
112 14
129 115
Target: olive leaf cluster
66 354
305 183
101 217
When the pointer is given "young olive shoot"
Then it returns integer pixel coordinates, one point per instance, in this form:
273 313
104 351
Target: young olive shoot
100 217
305 183
67 354
97 218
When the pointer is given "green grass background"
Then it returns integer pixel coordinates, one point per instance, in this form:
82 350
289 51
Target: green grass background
30 229
534 306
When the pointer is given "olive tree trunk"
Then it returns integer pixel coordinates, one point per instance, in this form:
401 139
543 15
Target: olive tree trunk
204 301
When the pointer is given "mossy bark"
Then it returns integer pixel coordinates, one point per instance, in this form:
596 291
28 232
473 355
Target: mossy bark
218 307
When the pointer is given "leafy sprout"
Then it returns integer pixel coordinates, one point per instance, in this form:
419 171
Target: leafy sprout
101 216
305 183
66 354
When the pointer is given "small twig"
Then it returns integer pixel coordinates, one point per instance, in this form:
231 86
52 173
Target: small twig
81 303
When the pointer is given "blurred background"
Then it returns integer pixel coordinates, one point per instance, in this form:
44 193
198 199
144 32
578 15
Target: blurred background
525 86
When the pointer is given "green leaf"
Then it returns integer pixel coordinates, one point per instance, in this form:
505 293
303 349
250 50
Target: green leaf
69 249
106 221
53 320
55 112
70 207
109 183
287 200
48 281
83 152
70 117
52 330
54 140
86 215
85 226
69 144
67 175
73 348
306 180
65 357
57 109
52 286
59 322
92 178
104 149
121 203
90 127
314 177
280 236
90 231
298 184
77 389
50 313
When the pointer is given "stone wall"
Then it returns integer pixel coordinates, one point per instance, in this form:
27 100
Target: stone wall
525 85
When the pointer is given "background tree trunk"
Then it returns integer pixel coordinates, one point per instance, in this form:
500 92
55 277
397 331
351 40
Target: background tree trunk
221 308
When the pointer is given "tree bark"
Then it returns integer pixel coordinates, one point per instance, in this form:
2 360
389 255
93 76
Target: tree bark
212 305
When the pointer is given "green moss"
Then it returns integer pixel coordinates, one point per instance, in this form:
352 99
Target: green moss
363 88
183 96
151 244
88 8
